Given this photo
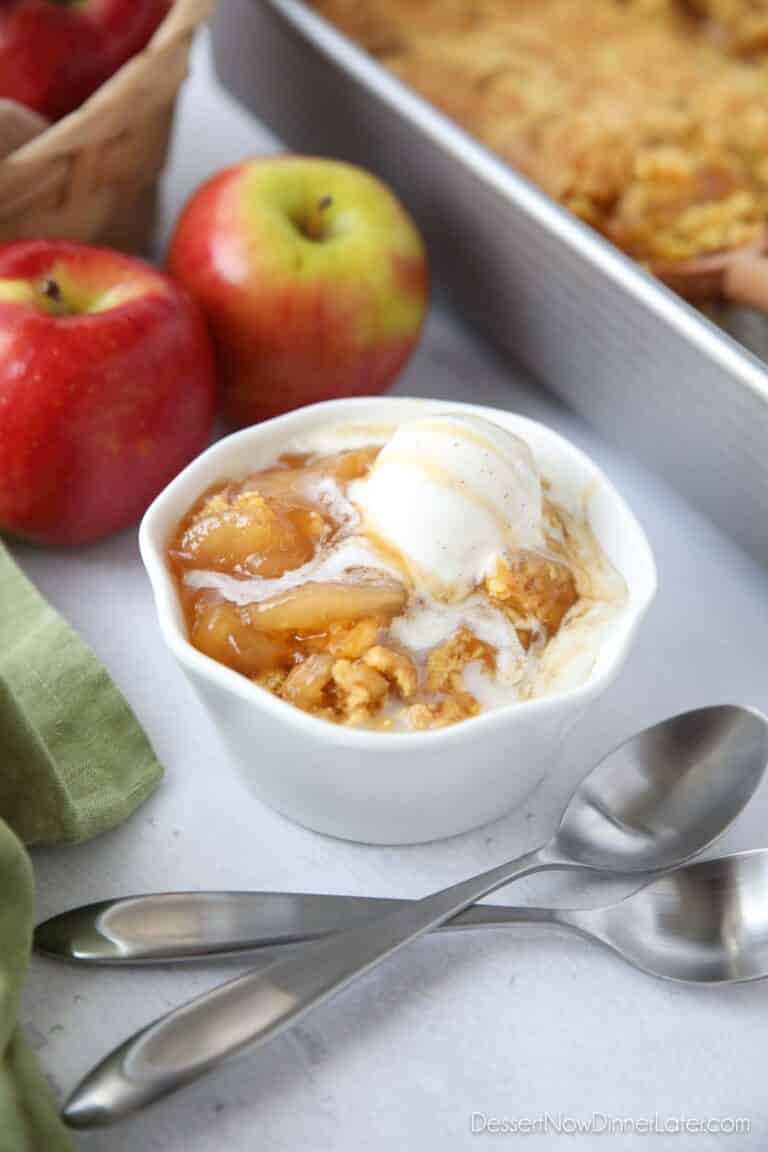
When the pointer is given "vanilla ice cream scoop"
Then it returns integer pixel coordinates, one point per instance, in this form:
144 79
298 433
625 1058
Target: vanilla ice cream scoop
448 494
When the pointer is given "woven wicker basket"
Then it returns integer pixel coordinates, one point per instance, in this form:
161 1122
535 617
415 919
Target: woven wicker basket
93 175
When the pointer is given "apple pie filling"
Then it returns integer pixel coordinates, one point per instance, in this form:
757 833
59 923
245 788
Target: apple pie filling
290 577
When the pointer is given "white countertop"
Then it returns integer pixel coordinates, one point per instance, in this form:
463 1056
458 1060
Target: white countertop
512 1024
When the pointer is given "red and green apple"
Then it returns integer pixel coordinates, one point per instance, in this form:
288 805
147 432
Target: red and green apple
312 275
107 389
55 53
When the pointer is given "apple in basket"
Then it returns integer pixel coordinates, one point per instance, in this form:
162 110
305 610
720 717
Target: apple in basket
107 389
313 278
55 53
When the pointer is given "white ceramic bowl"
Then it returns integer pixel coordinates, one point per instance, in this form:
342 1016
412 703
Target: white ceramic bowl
379 787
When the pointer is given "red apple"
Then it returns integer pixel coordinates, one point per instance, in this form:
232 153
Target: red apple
55 53
312 275
107 389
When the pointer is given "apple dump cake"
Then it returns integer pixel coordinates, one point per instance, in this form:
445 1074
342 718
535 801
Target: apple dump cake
646 118
399 579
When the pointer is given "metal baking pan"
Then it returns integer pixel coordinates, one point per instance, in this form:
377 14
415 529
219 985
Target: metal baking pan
649 371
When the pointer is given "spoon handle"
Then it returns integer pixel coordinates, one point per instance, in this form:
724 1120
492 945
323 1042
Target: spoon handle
169 927
250 1010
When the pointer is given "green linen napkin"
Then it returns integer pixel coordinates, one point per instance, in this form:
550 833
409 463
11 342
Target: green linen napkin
73 759
29 1120
73 762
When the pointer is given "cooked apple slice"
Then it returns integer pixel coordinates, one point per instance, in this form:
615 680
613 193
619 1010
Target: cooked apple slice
225 633
275 481
349 465
314 607
306 683
252 533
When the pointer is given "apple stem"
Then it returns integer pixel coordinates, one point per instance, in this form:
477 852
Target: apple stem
51 289
314 225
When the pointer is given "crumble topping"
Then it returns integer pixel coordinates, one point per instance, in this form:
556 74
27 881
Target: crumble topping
361 690
351 641
646 118
451 710
396 667
447 663
535 590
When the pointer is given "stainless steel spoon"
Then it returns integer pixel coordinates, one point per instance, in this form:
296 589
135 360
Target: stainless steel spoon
702 923
655 802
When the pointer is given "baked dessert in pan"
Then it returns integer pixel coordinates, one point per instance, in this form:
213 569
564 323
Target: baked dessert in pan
646 118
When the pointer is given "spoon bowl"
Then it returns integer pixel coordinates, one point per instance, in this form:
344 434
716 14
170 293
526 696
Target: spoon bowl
663 796
705 923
